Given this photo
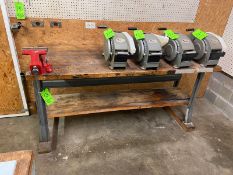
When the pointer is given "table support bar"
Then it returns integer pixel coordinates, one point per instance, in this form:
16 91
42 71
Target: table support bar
78 82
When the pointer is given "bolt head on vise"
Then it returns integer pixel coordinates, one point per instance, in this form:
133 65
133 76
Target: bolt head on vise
35 70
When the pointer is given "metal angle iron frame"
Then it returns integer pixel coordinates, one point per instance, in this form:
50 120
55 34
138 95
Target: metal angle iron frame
39 85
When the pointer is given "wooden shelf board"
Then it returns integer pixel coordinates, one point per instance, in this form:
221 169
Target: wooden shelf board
79 104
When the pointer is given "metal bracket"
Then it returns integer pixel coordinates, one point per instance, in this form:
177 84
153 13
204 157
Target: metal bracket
189 125
16 26
37 23
102 26
55 24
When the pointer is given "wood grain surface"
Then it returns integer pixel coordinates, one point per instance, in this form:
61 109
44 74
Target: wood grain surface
212 15
24 161
70 64
87 103
11 101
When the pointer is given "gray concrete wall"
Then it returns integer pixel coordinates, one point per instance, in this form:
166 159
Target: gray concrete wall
220 93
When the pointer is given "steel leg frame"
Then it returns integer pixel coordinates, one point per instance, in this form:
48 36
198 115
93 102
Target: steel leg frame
42 113
44 137
41 107
189 111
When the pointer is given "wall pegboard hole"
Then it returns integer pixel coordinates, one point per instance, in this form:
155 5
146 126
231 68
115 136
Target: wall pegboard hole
121 10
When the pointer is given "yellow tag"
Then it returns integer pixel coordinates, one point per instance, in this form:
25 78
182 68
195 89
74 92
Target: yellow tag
139 34
109 33
199 34
47 96
19 10
170 34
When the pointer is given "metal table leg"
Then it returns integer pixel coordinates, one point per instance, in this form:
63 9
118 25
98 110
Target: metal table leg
55 133
42 113
188 115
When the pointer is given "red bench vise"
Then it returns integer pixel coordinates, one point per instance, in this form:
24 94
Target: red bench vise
38 59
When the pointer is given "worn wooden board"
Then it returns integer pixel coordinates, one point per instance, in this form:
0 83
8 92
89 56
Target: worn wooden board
24 161
87 103
212 16
9 90
69 64
89 89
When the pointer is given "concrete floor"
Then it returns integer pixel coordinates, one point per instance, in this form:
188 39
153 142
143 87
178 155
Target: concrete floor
143 142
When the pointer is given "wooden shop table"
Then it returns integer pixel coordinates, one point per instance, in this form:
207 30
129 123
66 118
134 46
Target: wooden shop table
77 68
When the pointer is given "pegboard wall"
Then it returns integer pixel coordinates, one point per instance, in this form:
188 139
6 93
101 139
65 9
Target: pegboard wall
114 10
227 62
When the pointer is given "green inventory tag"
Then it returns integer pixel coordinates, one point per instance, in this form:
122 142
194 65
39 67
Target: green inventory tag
139 34
199 34
170 34
19 10
47 96
109 33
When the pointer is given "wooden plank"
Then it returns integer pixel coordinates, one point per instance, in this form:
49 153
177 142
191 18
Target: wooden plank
69 64
78 104
212 16
11 101
24 161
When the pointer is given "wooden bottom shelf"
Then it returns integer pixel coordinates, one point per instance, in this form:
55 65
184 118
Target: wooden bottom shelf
87 103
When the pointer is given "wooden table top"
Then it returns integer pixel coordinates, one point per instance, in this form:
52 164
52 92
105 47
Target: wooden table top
80 63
